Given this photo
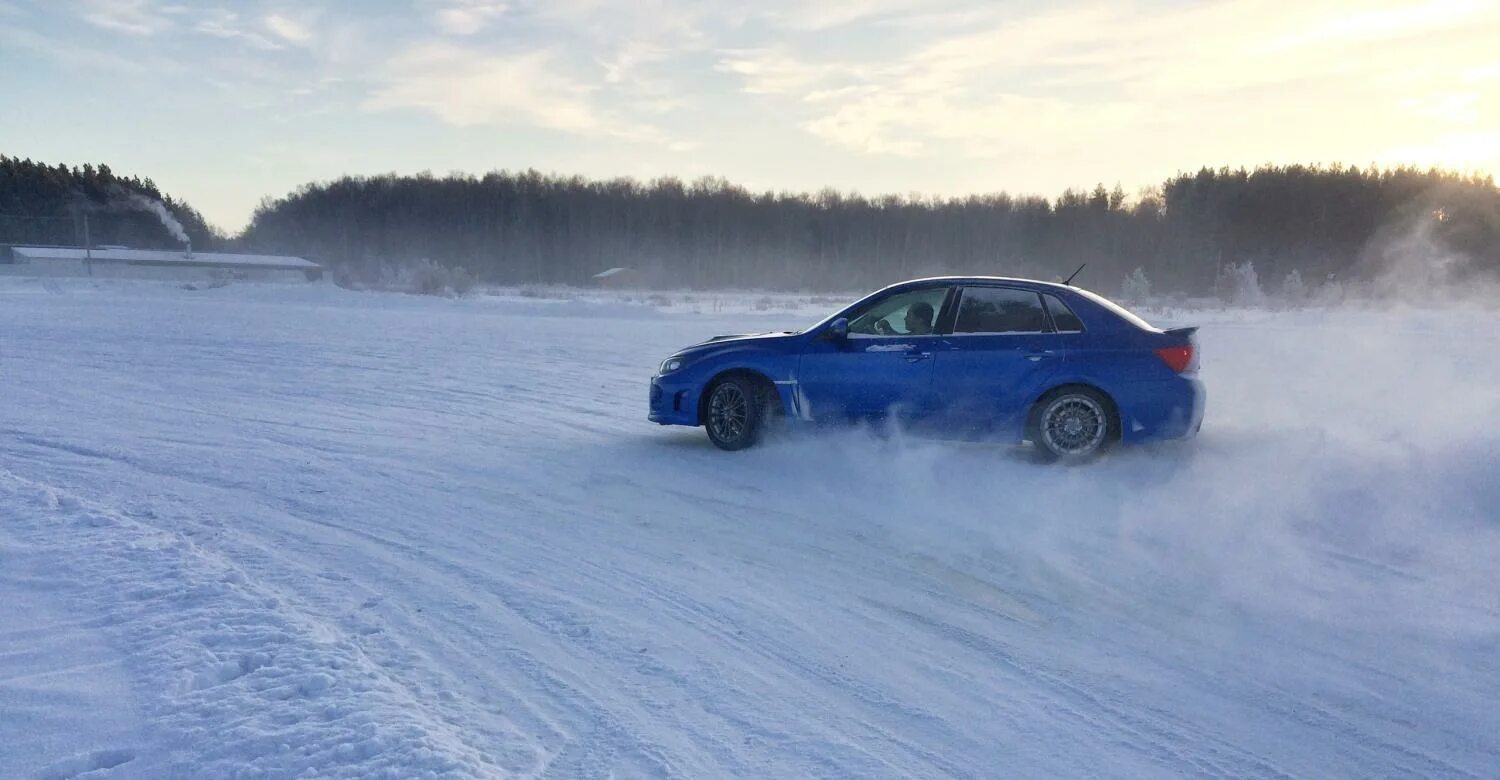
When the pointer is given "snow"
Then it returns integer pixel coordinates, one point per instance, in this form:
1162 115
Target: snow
291 530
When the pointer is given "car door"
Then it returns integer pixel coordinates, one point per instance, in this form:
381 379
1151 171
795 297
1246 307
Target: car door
883 367
1000 353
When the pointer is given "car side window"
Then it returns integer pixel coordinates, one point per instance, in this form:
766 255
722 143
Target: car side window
1063 317
1000 310
909 313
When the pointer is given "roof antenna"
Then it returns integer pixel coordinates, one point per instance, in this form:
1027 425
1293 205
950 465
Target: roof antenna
1069 281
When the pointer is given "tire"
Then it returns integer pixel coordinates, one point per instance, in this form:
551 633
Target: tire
735 412
1073 425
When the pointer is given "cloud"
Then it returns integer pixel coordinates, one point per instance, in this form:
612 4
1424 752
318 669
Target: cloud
909 124
630 57
1095 75
289 30
69 54
468 17
1340 25
828 14
1487 72
646 53
778 72
133 17
224 24
464 88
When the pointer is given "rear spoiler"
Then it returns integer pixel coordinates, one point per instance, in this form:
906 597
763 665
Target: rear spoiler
1183 332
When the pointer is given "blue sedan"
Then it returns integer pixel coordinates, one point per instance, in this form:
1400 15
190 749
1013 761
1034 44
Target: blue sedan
978 357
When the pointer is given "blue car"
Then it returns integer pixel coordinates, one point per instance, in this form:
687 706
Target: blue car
975 357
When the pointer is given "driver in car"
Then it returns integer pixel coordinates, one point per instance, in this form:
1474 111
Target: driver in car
919 319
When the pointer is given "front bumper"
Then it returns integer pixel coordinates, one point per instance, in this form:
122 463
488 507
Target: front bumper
673 403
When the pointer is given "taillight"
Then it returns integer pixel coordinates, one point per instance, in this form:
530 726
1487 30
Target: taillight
1179 358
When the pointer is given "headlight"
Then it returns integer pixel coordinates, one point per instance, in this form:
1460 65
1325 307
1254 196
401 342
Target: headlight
669 365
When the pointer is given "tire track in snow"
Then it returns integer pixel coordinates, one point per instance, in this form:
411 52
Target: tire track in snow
233 661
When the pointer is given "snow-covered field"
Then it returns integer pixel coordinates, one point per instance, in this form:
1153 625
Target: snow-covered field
283 531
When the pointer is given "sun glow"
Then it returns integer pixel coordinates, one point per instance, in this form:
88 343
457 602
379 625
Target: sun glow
1475 152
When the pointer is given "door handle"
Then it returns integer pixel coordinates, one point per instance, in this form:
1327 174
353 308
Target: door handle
1040 355
917 357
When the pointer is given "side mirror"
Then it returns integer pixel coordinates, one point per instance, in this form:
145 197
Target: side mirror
838 330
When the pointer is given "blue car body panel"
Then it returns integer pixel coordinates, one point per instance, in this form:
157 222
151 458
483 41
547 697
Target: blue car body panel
865 377
991 381
979 384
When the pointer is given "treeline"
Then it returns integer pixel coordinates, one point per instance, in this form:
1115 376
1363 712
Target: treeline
46 205
1338 223
1307 226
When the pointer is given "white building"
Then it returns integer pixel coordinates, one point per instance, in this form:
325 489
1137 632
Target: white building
615 277
155 264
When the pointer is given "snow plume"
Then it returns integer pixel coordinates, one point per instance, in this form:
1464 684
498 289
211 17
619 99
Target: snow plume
1411 256
1335 495
162 213
1427 249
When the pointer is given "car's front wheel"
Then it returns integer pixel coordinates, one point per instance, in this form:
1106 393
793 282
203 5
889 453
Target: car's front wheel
735 413
1073 424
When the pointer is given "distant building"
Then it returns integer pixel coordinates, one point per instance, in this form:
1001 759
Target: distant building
615 277
155 264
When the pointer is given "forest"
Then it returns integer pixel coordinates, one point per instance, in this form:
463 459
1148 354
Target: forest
1299 227
50 205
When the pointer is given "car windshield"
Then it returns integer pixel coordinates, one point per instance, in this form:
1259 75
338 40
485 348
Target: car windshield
1123 312
837 310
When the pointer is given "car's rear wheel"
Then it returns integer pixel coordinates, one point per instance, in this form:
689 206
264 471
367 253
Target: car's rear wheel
735 414
1073 424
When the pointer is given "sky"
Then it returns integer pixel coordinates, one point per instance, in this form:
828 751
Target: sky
224 104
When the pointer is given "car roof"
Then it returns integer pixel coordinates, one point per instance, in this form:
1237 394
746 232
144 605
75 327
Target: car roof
983 280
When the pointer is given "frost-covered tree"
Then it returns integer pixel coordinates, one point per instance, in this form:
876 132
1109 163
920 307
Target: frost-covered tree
1239 284
1136 288
1293 291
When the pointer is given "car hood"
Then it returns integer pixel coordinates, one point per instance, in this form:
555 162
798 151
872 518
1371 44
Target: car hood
738 339
775 334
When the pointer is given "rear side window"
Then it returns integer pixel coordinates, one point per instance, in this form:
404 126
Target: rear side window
1118 310
1000 310
1062 317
